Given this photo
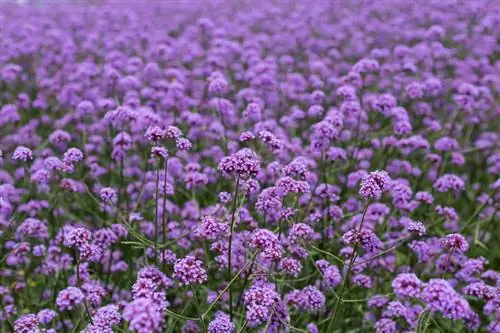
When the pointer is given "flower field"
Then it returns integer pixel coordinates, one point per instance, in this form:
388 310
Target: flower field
239 166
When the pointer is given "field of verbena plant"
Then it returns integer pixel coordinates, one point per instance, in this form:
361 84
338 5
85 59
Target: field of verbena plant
240 166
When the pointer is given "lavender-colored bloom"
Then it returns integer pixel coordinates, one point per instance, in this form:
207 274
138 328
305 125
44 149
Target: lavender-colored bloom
183 144
449 182
45 316
221 324
32 228
264 304
407 285
218 87
212 228
22 154
69 298
27 324
189 271
104 319
424 197
290 266
417 227
108 194
155 134
266 241
378 301
362 280
456 242
300 231
364 237
385 325
446 144
312 328
243 164
73 155
374 184
143 315
440 296
159 152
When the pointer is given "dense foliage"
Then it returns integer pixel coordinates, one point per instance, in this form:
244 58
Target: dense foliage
243 166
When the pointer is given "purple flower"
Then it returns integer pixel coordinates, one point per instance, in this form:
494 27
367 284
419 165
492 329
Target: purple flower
308 299
300 231
155 134
364 237
385 325
73 155
243 164
417 228
446 144
221 324
374 184
183 144
218 86
189 271
212 228
455 242
290 266
22 154
69 298
27 324
266 241
144 316
263 304
407 285
159 152
378 301
32 228
109 195
45 316
440 296
104 319
449 182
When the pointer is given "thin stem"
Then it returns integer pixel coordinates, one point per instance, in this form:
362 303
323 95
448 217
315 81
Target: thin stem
179 316
448 261
229 254
164 212
381 253
327 253
349 269
226 288
243 327
156 214
473 216
198 305
245 282
87 311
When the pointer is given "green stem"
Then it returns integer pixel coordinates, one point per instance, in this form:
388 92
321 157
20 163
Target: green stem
210 307
164 213
156 214
229 254
349 269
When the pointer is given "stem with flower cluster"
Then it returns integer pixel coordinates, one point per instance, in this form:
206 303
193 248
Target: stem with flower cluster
229 254
349 269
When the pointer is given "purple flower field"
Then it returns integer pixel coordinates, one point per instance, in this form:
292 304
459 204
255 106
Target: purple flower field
240 166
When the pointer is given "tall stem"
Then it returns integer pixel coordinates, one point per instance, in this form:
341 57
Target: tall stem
156 214
349 269
164 212
229 254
